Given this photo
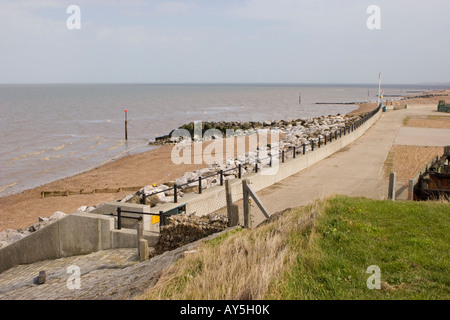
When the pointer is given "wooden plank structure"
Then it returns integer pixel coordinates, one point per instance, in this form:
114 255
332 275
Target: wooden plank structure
435 182
65 193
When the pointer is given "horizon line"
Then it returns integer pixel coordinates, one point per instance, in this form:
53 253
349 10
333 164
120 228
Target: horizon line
233 83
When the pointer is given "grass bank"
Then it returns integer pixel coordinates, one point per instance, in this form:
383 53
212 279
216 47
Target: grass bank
322 251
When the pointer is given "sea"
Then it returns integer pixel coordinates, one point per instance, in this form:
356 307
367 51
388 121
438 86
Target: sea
52 131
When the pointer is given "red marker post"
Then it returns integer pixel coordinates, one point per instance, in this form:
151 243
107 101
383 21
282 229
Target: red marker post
126 123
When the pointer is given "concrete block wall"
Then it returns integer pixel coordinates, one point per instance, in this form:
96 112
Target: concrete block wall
75 234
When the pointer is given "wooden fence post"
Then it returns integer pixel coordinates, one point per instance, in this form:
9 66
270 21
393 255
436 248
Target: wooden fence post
411 189
247 193
391 193
232 210
246 200
142 244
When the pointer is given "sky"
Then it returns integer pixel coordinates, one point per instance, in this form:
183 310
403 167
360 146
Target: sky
227 41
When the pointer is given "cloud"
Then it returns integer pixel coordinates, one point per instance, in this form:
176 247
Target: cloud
140 36
308 17
281 10
172 8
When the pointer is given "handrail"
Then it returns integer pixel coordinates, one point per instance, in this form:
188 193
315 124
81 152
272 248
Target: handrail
120 211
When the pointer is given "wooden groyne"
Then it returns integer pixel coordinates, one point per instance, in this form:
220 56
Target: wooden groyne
66 193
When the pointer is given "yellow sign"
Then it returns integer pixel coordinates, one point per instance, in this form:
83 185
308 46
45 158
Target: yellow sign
155 219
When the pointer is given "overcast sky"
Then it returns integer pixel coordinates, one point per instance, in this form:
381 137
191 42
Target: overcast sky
227 41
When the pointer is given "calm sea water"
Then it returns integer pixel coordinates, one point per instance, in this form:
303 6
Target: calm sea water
50 132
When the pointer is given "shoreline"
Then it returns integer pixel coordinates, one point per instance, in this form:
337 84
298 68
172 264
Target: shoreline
21 210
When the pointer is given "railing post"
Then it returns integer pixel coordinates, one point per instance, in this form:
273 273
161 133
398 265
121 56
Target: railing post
256 166
199 185
294 152
175 193
325 138
335 135
221 177
312 145
119 218
319 141
304 148
240 171
282 156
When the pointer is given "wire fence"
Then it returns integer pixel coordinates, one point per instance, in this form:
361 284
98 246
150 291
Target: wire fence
292 151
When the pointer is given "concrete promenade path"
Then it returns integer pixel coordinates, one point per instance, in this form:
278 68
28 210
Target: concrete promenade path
356 170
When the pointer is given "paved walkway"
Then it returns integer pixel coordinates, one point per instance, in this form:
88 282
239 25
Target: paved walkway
354 171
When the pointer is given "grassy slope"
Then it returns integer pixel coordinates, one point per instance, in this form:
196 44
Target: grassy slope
322 252
408 241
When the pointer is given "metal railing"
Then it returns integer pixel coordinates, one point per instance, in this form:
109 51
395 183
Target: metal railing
120 211
295 150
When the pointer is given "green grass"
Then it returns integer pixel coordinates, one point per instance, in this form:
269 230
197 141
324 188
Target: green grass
322 251
217 241
408 241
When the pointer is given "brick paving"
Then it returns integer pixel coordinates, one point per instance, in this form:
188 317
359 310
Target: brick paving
20 282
